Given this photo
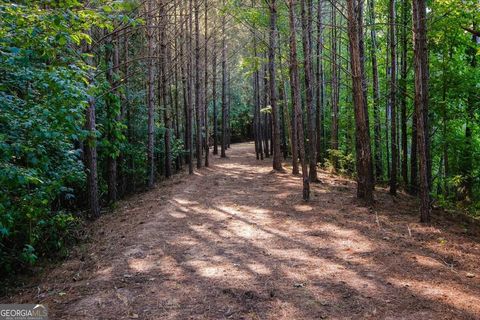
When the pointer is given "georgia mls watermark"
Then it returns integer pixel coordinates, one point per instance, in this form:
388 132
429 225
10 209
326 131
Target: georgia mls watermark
23 312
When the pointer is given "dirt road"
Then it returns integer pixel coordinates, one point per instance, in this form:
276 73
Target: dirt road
236 241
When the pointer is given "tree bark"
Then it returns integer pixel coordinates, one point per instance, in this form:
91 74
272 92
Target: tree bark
393 93
277 160
363 149
307 52
184 68
198 106
377 136
413 189
266 126
164 88
189 88
334 86
112 116
176 117
421 102
150 98
91 151
403 91
320 94
296 101
205 89
214 97
224 91
256 98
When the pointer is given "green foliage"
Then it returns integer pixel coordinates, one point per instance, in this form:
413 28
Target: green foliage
240 119
43 94
341 162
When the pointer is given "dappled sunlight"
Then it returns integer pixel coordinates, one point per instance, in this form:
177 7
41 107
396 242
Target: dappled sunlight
140 265
178 215
230 210
303 208
218 269
363 285
247 231
293 255
104 274
205 230
168 265
427 261
186 241
282 195
259 268
184 202
257 213
282 309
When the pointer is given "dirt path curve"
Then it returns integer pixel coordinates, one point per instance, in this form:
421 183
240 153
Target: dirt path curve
236 241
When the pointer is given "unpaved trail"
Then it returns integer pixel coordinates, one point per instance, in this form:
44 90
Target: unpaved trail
236 241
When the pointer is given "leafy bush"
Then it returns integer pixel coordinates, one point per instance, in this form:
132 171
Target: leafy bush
43 94
340 162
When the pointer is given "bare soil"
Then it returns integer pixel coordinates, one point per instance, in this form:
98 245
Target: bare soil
236 241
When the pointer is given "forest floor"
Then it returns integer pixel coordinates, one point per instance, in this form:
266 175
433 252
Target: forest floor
236 241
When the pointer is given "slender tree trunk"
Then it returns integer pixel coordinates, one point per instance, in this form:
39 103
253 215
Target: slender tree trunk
224 90
254 111
282 94
189 88
296 100
120 113
91 151
387 106
266 127
214 97
335 86
421 102
91 160
128 178
164 88
270 132
256 98
413 190
183 70
277 160
229 100
112 117
307 52
258 106
177 30
320 94
205 89
150 98
363 149
295 169
393 93
283 137
377 138
198 107
403 88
